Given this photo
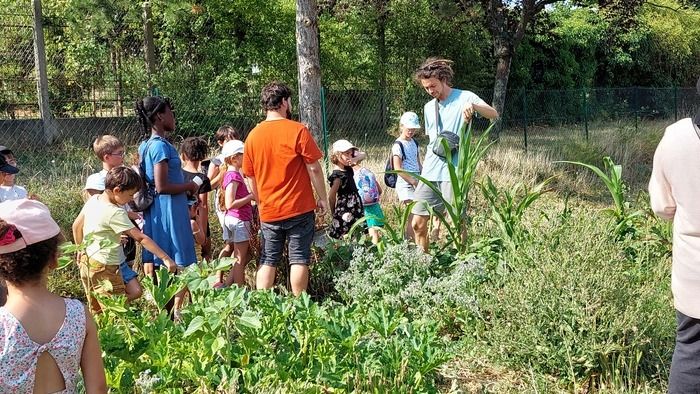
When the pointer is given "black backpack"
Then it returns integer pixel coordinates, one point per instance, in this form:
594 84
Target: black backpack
390 178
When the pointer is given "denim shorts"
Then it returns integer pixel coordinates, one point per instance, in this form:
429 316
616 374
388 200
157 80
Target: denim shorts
127 273
297 230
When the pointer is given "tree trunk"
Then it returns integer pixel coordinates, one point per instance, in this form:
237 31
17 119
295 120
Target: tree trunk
500 88
309 67
383 59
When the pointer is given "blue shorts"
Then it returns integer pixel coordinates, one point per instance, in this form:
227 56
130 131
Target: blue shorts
297 232
127 273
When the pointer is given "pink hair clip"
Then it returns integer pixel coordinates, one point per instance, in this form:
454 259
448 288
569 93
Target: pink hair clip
9 237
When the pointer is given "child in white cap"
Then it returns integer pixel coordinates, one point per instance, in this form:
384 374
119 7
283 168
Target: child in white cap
344 199
405 156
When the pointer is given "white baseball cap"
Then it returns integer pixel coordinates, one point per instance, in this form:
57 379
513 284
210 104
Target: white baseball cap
410 120
343 146
231 148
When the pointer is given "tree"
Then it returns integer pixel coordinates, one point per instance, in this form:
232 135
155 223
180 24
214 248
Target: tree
309 66
508 22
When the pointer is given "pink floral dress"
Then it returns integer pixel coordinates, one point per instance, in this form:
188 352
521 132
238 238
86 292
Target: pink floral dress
19 354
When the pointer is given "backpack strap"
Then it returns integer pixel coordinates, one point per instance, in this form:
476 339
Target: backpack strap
142 161
403 152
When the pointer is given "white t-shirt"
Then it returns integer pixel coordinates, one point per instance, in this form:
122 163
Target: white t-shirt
8 193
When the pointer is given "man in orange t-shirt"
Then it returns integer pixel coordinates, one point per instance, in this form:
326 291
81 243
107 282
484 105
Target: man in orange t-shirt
281 159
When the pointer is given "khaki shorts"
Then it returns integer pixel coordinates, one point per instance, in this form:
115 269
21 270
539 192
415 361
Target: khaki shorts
93 274
424 196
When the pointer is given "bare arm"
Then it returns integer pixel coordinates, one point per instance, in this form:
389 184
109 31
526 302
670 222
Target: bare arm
91 360
253 187
333 194
151 246
217 175
203 211
78 228
230 197
398 165
160 172
200 236
484 110
316 173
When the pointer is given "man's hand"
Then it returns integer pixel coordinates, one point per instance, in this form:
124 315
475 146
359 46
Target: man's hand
468 112
322 206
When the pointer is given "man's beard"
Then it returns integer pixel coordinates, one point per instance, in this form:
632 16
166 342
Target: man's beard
289 113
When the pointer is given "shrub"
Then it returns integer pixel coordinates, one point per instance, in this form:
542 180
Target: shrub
411 281
576 306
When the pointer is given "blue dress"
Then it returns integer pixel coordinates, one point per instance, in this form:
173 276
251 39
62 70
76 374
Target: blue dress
167 220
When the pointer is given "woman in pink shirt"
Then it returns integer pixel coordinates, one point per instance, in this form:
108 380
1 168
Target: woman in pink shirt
674 190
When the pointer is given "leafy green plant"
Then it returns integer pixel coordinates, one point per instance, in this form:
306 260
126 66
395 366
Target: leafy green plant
509 206
471 151
622 213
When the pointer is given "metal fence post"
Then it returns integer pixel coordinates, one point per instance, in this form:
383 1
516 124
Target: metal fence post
675 103
525 117
42 80
324 125
636 109
585 112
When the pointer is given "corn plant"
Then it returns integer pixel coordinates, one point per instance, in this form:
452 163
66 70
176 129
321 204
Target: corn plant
471 151
508 207
612 178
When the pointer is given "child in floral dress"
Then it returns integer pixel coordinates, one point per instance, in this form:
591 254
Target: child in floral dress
345 202
46 341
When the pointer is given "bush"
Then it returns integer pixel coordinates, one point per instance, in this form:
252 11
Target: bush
576 306
411 281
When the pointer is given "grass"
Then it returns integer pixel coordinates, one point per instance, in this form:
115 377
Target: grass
570 311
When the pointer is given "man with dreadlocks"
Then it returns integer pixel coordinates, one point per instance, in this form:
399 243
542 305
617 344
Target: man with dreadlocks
447 111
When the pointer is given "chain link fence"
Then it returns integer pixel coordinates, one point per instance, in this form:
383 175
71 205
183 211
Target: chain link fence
97 67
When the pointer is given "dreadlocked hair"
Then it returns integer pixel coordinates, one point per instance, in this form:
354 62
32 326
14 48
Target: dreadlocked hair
434 67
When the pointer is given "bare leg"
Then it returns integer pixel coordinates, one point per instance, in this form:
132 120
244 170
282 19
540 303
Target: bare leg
374 233
299 277
435 234
420 229
227 251
133 290
237 273
408 231
265 277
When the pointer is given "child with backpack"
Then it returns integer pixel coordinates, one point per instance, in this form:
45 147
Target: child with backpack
343 197
48 341
370 191
405 156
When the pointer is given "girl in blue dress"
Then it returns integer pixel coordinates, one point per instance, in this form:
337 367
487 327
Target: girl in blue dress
166 221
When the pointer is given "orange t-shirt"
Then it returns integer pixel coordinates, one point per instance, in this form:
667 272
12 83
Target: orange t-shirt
276 153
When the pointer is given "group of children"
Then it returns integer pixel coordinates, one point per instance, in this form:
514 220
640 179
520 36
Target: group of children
114 227
354 189
33 319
